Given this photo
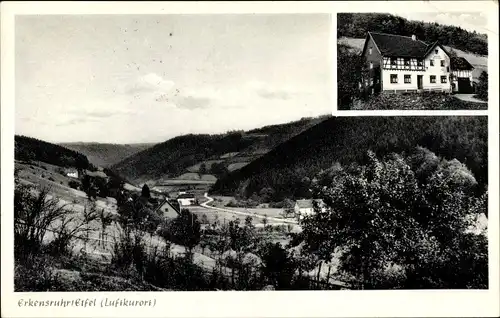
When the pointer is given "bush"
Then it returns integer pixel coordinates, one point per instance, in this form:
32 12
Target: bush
51 179
74 184
33 215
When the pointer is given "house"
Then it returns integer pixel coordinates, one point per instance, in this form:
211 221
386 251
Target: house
186 199
96 174
168 209
461 75
72 173
395 64
306 207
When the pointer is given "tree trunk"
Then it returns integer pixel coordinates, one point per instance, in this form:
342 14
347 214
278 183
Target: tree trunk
319 271
328 275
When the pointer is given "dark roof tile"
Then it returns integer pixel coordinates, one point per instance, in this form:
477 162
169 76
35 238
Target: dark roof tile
398 45
460 63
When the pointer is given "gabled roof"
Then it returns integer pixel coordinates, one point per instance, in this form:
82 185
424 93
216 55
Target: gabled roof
99 174
460 63
432 46
398 45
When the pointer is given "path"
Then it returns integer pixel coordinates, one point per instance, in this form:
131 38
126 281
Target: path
469 98
281 221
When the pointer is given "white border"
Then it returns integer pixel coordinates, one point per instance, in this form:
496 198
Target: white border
262 304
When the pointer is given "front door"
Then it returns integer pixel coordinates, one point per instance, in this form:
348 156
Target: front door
420 81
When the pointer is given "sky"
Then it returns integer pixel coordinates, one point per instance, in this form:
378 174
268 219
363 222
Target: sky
148 78
470 21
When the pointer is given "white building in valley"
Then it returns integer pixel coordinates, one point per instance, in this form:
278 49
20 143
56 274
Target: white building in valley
306 207
395 64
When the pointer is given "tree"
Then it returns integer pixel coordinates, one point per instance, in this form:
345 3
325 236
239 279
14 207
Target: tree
184 230
145 193
278 266
482 86
203 169
399 222
106 220
349 75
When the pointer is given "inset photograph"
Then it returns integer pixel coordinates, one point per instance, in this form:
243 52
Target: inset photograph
412 61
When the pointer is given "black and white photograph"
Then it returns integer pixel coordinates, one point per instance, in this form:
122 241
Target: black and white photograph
149 165
249 159
412 61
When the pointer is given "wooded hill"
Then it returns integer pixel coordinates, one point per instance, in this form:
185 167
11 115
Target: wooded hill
356 25
173 157
105 155
286 171
28 148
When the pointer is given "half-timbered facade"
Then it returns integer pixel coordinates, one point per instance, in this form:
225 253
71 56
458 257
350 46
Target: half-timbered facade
395 63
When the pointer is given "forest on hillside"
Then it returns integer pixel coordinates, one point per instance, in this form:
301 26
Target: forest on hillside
288 170
356 25
172 157
105 155
28 149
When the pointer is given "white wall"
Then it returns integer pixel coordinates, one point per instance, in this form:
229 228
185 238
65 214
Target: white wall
400 85
185 201
436 70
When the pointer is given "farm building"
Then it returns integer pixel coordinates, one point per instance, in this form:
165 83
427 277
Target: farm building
96 174
305 207
72 173
186 199
461 75
396 64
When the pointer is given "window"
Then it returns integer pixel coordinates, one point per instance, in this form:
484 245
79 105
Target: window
432 62
436 51
433 78
371 65
370 51
420 62
407 79
371 81
407 62
394 61
394 78
442 63
447 69
443 79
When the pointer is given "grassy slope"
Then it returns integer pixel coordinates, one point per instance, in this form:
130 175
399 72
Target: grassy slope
479 62
105 155
182 154
346 140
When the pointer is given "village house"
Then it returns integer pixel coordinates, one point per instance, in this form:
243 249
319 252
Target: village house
396 64
72 173
168 209
186 199
306 207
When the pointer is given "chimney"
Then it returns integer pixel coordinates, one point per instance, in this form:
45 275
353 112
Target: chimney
414 37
